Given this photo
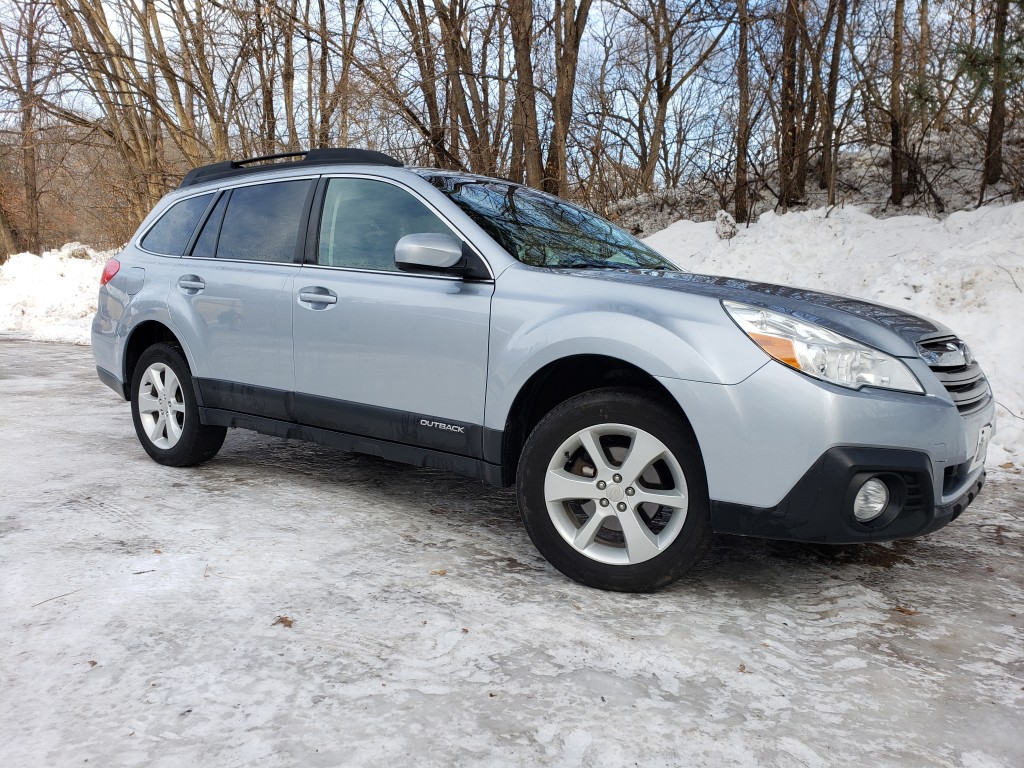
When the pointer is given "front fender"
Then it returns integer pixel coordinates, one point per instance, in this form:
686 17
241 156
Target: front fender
539 317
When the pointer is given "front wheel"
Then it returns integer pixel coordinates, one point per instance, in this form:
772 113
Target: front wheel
612 491
165 411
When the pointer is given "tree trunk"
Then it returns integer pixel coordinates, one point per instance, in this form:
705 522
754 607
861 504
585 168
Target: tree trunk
527 159
896 108
740 204
526 162
830 146
263 46
924 47
418 23
570 22
288 77
25 74
31 180
997 118
8 246
788 109
465 99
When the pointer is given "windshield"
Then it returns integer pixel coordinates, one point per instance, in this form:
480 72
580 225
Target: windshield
543 231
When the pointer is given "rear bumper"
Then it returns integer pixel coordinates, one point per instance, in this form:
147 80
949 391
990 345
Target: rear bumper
819 507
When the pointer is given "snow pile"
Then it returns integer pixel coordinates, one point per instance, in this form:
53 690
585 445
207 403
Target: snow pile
51 297
966 271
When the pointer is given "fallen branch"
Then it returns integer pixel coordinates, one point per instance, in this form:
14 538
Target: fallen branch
56 598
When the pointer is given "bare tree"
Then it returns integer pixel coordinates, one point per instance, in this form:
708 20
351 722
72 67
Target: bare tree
27 75
740 200
829 147
7 237
997 118
679 39
788 100
568 22
896 151
527 155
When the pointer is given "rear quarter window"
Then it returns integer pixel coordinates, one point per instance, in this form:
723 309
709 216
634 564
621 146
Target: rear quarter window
172 232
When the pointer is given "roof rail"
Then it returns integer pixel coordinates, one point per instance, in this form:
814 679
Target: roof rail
340 156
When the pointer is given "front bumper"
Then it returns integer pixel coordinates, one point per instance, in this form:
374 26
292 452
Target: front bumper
781 452
818 508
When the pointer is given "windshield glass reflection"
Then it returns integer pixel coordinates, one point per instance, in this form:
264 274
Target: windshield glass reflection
544 231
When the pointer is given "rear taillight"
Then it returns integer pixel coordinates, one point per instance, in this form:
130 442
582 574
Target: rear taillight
109 270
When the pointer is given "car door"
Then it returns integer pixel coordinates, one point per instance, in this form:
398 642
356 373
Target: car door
387 354
231 296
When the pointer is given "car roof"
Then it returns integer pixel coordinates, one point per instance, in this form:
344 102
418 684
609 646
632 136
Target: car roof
313 157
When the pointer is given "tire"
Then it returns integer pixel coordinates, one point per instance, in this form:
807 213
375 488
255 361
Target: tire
635 518
165 411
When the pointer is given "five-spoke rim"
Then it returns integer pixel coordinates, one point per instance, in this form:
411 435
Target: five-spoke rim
616 494
161 406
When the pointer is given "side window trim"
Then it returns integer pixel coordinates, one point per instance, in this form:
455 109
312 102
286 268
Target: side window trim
202 223
316 213
316 217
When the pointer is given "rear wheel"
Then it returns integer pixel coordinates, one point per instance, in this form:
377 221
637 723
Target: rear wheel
612 491
165 411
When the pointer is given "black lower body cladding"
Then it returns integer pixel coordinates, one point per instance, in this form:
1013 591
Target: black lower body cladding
819 507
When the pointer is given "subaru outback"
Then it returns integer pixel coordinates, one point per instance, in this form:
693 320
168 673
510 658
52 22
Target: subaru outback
482 327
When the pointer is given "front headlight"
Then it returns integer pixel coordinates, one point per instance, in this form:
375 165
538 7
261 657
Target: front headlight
819 352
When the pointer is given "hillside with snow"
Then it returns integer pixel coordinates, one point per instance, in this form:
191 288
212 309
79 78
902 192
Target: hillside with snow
966 271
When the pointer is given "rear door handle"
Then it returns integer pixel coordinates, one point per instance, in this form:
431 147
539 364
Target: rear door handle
191 283
317 295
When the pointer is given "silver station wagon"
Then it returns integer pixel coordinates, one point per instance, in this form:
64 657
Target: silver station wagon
482 327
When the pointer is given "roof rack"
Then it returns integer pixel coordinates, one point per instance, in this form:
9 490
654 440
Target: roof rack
339 156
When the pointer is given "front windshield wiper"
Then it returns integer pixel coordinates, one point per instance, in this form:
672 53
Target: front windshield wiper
587 265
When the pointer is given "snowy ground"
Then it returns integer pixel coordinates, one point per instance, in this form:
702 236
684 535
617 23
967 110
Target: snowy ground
142 620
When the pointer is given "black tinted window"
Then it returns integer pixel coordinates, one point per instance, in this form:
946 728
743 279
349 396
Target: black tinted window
262 222
364 219
170 235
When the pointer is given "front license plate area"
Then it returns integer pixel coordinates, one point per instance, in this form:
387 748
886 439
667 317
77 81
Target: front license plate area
981 451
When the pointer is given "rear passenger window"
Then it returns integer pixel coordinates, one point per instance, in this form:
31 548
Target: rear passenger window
261 222
170 235
364 219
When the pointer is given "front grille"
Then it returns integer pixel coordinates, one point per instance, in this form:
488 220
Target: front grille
954 367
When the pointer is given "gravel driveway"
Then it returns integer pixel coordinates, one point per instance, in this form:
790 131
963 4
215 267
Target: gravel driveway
287 604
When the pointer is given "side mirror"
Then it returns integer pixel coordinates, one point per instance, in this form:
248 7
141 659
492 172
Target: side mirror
428 251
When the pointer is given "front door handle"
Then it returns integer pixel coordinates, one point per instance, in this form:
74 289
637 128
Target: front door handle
318 295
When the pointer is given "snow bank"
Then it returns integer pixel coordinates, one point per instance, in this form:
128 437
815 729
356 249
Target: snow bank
51 297
966 271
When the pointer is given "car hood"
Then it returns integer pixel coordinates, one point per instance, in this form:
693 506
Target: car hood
886 328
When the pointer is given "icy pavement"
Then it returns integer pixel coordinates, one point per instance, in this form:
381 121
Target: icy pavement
141 619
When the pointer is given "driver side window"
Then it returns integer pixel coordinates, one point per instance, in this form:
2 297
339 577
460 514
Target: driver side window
363 219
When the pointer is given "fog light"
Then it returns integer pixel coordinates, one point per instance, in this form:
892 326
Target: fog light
871 501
